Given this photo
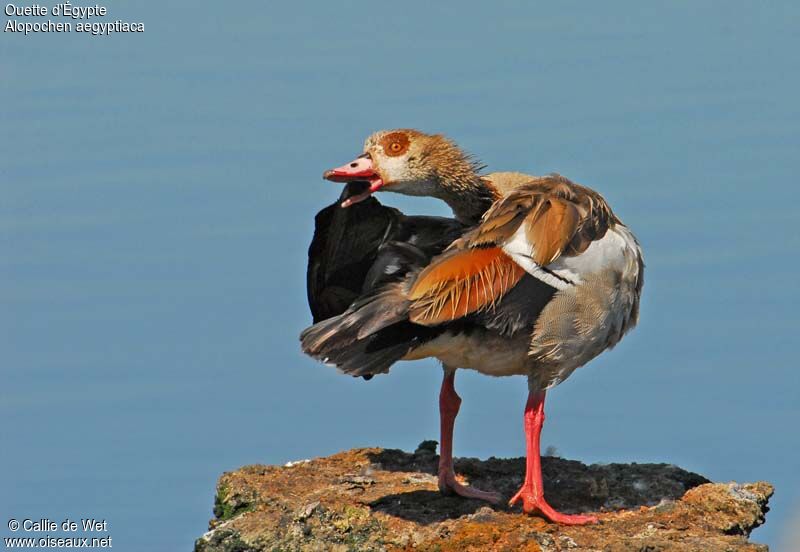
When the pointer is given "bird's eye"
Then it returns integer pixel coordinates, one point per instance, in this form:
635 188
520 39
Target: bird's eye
395 144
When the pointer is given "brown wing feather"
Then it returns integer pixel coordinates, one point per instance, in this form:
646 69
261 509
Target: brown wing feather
560 217
551 228
462 282
502 220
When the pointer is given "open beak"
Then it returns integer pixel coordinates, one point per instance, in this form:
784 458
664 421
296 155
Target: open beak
359 169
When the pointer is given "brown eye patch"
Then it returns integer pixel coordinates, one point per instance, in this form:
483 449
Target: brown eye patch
395 143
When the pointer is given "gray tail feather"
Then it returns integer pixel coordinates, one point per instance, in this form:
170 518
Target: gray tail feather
367 338
364 318
366 357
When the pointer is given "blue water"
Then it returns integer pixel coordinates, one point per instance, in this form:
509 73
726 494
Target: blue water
157 194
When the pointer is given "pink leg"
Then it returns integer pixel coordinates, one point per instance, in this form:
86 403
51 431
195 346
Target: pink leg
449 403
532 491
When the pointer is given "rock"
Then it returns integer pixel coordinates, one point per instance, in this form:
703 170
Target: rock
376 499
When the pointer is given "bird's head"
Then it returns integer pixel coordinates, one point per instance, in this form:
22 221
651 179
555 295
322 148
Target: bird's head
409 162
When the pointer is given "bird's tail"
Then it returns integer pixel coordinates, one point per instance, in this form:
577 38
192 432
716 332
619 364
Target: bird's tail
368 337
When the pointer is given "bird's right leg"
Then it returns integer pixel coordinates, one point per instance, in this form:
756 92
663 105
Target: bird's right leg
449 403
532 492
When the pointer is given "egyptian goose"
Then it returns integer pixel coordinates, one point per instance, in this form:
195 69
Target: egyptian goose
535 276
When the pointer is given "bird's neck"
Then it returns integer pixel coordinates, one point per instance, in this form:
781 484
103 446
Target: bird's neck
468 195
455 179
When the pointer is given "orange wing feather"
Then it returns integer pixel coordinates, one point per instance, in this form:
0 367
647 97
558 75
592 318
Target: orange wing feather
461 282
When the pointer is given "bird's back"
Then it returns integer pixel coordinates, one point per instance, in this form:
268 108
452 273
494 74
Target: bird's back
506 182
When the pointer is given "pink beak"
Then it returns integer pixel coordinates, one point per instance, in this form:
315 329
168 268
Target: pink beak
359 169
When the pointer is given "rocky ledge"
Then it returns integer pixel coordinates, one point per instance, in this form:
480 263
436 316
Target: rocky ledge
378 499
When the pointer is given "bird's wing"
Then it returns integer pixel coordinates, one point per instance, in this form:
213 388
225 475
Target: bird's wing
344 248
519 236
359 261
359 249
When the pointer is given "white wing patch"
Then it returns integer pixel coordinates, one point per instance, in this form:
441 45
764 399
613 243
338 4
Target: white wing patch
613 251
526 262
522 251
616 251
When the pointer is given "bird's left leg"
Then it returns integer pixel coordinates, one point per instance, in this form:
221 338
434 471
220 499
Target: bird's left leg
449 403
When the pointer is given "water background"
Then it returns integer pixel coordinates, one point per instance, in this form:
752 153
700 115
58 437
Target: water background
157 194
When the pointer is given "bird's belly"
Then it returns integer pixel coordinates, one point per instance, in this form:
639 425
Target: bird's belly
486 352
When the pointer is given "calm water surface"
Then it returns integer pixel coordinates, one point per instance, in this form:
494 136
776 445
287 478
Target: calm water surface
157 194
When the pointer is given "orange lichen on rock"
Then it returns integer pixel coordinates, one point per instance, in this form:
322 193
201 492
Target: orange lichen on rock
375 499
